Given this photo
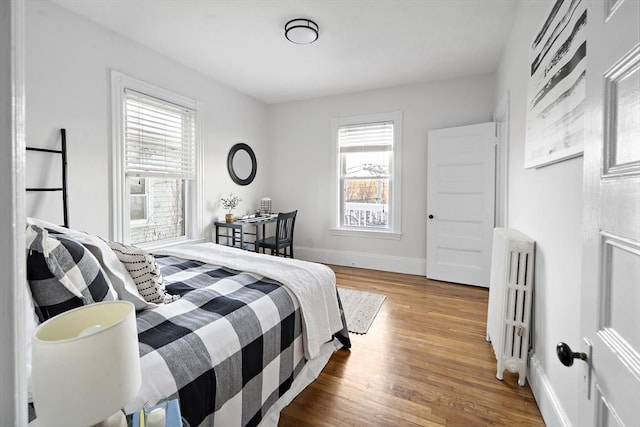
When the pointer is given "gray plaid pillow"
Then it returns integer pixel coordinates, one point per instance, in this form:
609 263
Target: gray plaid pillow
62 273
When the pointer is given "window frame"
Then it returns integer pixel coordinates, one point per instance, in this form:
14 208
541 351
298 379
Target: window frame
147 203
120 220
394 231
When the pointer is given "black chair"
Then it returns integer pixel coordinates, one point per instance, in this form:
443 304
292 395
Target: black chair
284 236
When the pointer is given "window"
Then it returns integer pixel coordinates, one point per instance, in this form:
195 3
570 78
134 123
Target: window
156 173
367 172
139 200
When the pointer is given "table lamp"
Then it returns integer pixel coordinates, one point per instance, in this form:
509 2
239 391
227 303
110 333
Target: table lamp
86 366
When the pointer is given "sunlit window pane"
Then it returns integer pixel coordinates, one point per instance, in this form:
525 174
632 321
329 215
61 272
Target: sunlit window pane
164 211
366 157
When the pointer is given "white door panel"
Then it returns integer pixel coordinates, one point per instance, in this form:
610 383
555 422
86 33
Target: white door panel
610 315
460 197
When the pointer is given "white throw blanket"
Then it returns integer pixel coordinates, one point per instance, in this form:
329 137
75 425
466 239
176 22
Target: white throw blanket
314 285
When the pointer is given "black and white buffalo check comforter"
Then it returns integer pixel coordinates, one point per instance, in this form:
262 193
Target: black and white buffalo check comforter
233 343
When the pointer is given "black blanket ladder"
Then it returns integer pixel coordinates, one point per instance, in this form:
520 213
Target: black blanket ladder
63 189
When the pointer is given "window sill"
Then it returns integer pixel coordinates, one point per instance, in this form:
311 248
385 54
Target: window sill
351 232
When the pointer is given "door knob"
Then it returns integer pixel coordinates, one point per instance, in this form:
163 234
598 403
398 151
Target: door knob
566 355
430 216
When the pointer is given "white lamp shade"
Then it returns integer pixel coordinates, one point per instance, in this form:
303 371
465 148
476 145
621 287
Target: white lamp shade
86 364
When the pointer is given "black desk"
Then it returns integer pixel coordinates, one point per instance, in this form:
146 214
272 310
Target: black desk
234 233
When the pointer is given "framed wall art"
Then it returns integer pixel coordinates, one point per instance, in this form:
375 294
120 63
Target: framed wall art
556 88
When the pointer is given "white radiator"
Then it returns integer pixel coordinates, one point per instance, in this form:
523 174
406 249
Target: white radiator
510 296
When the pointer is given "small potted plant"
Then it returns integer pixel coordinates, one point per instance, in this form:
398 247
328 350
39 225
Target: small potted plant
230 203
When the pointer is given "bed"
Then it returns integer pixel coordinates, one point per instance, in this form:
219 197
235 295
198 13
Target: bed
247 333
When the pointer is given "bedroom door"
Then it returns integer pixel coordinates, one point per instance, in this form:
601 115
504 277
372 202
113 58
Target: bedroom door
460 203
610 319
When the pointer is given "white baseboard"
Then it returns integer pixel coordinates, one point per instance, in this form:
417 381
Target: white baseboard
396 264
551 409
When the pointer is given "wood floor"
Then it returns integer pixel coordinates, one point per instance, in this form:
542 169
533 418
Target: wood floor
424 362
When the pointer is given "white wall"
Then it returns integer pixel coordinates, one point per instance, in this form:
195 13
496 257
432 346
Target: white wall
545 204
300 174
68 63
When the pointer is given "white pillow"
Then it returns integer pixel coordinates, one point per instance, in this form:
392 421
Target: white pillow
118 274
145 272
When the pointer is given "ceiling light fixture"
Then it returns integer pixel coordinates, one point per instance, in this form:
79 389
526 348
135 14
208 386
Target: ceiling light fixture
301 31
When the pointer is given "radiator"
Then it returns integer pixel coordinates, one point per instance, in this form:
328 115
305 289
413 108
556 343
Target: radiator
510 297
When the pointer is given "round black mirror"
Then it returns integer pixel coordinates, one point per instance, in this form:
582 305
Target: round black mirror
242 164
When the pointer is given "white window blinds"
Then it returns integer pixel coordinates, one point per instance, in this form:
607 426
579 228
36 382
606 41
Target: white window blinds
366 137
159 138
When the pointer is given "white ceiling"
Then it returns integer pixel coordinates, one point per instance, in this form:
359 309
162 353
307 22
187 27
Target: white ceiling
363 44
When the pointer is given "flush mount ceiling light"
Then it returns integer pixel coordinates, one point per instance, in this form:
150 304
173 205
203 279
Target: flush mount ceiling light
301 31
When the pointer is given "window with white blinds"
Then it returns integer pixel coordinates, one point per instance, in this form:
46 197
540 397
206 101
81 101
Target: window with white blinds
367 173
157 171
159 138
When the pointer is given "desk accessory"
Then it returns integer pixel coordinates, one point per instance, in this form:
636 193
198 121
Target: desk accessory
265 205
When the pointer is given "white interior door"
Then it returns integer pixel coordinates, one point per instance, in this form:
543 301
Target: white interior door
610 312
460 203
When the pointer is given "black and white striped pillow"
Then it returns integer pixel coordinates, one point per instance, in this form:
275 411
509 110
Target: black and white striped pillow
62 273
144 271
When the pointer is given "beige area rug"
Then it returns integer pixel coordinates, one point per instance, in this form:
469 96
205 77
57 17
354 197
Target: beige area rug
360 308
